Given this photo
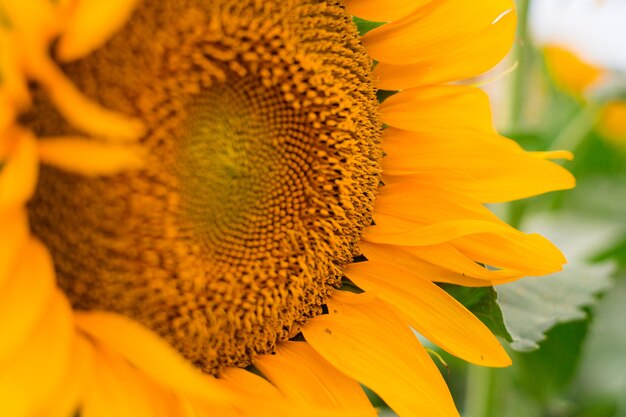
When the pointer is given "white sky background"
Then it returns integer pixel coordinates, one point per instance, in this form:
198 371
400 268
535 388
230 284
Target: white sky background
593 29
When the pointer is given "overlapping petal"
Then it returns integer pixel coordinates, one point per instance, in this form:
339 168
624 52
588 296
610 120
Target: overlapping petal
48 347
368 342
89 158
434 31
303 375
91 24
18 176
25 296
116 388
470 162
431 311
151 354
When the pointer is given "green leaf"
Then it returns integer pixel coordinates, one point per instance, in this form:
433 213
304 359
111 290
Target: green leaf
616 252
548 371
482 302
531 306
601 377
364 26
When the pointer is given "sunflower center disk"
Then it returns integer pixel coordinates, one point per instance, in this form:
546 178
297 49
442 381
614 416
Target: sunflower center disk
264 160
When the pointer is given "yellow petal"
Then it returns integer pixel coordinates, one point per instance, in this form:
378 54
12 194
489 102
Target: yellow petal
18 176
569 71
119 389
369 343
89 157
392 230
28 380
259 398
91 24
13 237
8 114
425 204
467 57
377 11
448 256
612 122
418 215
242 380
530 254
25 296
438 108
82 112
403 257
70 392
488 243
431 311
35 21
13 86
301 374
150 354
444 263
436 29
470 162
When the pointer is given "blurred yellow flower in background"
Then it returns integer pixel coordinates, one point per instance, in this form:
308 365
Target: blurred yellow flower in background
583 44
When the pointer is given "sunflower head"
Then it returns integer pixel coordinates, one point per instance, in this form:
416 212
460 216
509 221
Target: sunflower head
233 181
263 163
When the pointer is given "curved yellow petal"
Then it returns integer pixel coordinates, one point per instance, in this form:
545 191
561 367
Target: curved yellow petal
301 374
241 379
472 163
119 389
612 122
13 237
29 380
18 176
419 215
392 230
8 113
474 56
25 297
531 254
36 22
91 24
377 11
569 71
403 257
431 311
69 394
13 85
439 108
369 343
436 29
81 112
489 243
150 354
89 157
425 204
448 256
259 398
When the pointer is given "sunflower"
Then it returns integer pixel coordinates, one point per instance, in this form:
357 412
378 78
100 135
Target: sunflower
202 213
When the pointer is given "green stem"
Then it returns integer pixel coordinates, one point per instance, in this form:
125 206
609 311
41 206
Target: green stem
517 93
480 392
577 129
519 81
